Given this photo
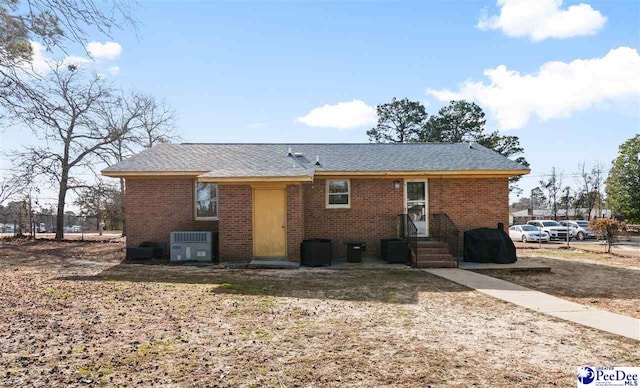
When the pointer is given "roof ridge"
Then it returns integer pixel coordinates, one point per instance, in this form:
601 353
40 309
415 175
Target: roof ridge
235 143
244 159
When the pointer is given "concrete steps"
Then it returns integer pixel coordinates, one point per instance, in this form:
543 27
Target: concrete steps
437 264
433 254
431 243
432 251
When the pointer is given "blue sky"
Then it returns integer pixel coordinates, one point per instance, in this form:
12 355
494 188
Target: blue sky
245 71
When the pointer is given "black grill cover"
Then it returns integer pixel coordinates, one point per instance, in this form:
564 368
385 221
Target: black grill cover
489 245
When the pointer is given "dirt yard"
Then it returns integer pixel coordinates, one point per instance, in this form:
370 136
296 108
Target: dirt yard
627 248
598 280
73 315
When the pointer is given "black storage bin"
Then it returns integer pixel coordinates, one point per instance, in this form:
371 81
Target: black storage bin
140 253
394 250
315 252
354 251
146 250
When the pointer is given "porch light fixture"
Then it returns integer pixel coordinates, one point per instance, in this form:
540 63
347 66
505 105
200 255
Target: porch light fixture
396 184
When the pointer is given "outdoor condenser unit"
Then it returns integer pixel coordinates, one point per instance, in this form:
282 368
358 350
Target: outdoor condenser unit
191 246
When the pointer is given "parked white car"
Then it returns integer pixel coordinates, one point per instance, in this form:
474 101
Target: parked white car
579 229
526 233
553 229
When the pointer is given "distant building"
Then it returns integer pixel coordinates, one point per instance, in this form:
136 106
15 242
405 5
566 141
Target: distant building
522 216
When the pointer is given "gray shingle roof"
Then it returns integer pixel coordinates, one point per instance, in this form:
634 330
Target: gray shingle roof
247 160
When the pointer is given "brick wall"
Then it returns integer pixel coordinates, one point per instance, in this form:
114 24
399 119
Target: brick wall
236 223
471 203
375 205
373 215
295 222
157 207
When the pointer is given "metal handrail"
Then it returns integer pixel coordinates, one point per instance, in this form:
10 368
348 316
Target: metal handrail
409 232
443 229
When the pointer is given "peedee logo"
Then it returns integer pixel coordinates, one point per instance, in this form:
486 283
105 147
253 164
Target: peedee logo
586 375
608 376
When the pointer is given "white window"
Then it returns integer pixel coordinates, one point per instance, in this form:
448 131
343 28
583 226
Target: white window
206 201
338 193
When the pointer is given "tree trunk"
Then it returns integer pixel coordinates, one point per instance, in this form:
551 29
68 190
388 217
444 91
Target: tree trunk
62 195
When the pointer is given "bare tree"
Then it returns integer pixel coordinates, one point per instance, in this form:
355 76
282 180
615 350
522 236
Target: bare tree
13 185
52 24
599 178
144 122
590 183
537 198
552 187
63 112
157 122
98 201
566 200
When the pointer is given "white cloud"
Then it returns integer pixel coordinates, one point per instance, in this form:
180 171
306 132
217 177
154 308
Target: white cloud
107 50
41 64
114 70
75 60
343 115
543 19
557 90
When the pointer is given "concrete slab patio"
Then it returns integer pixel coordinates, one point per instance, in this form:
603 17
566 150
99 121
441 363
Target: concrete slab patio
544 303
520 265
272 264
367 263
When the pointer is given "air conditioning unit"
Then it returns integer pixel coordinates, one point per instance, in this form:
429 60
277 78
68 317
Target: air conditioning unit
191 246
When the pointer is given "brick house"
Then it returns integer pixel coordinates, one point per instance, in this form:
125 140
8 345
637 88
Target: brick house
264 199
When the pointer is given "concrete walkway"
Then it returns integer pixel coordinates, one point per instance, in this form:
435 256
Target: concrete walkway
544 303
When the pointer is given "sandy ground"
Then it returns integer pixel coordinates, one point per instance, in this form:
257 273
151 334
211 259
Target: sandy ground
601 281
627 248
71 314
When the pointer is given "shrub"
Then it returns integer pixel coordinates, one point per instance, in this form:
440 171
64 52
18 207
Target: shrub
610 228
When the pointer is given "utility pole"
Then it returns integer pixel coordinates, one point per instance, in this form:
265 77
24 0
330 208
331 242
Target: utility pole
566 215
32 231
533 212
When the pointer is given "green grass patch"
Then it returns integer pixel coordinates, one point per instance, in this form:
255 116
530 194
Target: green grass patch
158 347
101 371
247 287
55 292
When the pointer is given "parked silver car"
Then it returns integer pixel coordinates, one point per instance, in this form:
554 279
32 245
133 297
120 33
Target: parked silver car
526 233
553 229
579 229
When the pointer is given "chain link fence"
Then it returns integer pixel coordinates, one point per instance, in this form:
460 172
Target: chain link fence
45 226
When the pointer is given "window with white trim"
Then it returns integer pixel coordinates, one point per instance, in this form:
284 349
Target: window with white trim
206 201
338 193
